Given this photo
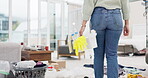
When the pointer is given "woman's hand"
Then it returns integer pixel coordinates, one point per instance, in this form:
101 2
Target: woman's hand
82 30
82 27
126 30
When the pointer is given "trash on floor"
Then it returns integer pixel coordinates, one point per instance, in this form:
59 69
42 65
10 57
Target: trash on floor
134 76
56 65
131 70
123 70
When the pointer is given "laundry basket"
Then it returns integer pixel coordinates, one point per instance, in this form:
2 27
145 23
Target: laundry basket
38 72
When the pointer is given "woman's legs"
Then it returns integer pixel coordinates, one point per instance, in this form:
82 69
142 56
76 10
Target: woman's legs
111 46
112 35
108 24
107 43
99 55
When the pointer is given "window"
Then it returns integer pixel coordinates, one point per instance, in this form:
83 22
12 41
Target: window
33 22
52 25
19 18
4 20
44 23
66 28
74 18
55 24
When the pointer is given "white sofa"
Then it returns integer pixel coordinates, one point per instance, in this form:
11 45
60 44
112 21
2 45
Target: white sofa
10 52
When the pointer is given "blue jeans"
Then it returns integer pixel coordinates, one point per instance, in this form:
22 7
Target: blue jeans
108 25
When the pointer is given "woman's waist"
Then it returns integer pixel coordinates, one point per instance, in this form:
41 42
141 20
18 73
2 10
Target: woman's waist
105 10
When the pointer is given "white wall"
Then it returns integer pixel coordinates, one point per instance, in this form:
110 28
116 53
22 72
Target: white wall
136 16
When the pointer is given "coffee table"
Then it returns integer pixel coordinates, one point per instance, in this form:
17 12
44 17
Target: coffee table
37 55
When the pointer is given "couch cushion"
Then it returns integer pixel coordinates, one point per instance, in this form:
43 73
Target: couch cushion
64 50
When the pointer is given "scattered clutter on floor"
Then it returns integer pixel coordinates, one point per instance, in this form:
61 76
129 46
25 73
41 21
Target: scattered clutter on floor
130 72
89 65
75 72
134 76
39 64
56 65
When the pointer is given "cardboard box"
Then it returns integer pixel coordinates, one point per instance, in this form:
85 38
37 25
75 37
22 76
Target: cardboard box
61 64
53 66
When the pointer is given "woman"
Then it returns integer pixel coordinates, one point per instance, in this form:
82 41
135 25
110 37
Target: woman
106 19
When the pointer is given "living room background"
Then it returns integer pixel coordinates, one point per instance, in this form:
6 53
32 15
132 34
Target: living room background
38 22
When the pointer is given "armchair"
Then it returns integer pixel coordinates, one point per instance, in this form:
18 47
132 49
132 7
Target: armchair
63 50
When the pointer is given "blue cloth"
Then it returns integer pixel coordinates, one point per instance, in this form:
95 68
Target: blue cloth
108 25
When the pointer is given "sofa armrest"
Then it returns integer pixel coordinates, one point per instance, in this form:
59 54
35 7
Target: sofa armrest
10 52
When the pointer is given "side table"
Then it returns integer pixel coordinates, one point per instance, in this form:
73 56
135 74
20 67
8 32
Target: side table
37 55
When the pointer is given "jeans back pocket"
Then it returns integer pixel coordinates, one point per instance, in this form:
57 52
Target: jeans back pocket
118 20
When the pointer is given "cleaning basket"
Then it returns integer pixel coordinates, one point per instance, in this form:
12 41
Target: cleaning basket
38 72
